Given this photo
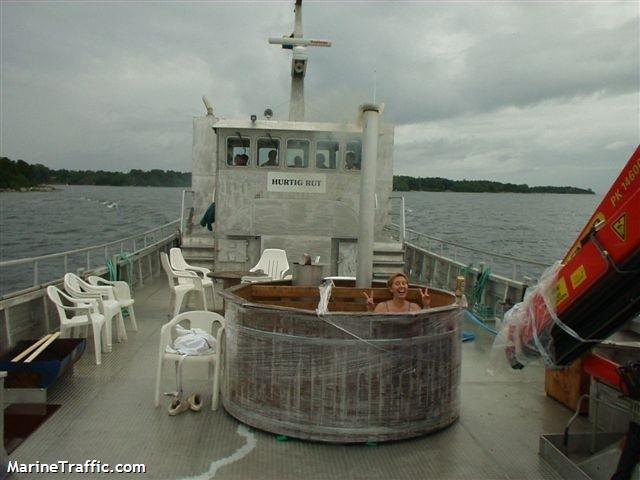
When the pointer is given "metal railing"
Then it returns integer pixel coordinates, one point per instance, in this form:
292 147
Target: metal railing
131 244
507 265
401 225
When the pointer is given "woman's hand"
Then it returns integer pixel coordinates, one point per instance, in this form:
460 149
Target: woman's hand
426 298
370 303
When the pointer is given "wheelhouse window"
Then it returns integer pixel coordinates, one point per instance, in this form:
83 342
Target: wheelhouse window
238 151
297 153
268 152
327 154
353 156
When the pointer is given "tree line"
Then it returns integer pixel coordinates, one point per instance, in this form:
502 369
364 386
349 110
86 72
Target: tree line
19 174
403 183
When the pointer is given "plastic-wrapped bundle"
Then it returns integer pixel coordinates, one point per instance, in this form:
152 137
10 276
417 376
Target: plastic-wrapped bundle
525 333
593 293
342 377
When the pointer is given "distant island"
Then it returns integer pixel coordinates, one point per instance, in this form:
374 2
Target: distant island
402 183
20 175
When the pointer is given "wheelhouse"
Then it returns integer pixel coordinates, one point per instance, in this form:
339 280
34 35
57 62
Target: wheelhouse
290 185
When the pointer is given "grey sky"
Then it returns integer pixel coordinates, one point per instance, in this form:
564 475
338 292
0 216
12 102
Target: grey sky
544 93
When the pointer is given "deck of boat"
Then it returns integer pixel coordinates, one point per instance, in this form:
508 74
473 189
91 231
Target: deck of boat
107 414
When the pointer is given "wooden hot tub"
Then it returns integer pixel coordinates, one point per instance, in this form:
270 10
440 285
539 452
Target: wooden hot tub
346 376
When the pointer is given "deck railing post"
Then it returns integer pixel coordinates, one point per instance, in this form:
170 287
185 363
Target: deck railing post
35 273
140 270
481 300
182 213
402 221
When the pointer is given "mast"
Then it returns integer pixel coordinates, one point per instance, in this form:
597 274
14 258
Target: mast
298 44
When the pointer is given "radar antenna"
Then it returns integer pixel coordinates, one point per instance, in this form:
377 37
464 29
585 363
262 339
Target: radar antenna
299 59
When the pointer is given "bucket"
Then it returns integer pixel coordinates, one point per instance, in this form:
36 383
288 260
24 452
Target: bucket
307 275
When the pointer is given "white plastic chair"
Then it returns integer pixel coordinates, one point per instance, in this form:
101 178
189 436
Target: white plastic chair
273 263
86 314
122 294
195 319
109 306
180 289
178 263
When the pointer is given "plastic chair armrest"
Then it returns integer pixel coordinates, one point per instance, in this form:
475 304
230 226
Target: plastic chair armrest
186 274
76 295
80 306
121 290
105 291
191 276
203 270
197 272
89 307
83 296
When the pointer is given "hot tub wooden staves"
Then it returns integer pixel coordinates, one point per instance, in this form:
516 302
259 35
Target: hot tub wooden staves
345 376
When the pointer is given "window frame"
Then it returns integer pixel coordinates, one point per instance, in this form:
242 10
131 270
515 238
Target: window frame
279 150
298 139
337 155
248 149
344 156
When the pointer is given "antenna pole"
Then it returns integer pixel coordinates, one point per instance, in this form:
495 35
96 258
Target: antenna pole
299 59
298 70
297 27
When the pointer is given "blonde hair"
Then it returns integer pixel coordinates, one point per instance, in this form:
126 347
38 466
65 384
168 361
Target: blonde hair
394 276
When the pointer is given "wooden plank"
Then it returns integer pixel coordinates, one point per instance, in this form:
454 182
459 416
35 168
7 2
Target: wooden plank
31 348
347 307
42 348
379 294
344 294
566 386
350 292
305 305
283 291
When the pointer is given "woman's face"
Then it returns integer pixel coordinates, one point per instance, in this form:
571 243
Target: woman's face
399 287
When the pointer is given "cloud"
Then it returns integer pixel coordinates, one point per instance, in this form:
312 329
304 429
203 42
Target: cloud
559 142
527 92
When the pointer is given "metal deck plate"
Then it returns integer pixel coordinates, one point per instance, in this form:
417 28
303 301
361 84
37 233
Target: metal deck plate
107 414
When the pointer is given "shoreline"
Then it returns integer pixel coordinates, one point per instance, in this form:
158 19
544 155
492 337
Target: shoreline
37 188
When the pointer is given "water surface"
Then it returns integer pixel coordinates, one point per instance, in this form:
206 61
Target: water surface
539 227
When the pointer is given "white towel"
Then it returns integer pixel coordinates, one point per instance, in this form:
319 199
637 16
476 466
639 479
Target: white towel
192 342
